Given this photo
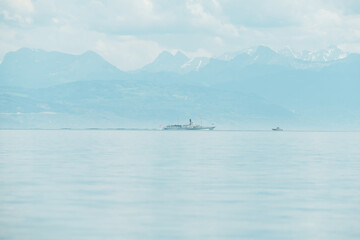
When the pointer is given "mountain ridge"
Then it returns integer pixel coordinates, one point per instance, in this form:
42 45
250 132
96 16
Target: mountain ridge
255 89
38 68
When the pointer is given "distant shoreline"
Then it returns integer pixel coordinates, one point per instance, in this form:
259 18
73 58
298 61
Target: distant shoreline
153 129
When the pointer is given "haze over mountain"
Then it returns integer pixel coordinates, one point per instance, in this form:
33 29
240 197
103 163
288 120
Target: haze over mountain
36 68
255 89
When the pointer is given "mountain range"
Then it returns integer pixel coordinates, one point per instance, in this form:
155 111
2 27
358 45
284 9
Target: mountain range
252 89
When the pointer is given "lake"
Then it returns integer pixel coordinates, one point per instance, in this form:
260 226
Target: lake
153 185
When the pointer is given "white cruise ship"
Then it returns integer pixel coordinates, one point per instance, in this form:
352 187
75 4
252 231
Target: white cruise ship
190 126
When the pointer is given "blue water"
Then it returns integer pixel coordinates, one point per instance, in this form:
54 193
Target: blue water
138 185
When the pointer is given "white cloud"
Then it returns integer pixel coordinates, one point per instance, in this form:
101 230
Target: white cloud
130 33
205 19
17 11
198 53
127 53
24 6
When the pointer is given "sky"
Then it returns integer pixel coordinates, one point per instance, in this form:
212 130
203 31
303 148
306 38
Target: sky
131 33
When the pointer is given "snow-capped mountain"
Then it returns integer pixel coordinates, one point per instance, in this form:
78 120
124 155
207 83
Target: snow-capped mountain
167 62
324 55
178 63
195 64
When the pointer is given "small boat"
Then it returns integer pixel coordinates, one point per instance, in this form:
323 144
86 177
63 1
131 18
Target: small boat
190 126
277 129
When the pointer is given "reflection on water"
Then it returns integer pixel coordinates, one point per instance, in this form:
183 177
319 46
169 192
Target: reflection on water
179 185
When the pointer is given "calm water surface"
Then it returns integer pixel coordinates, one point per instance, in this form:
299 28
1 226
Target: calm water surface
138 185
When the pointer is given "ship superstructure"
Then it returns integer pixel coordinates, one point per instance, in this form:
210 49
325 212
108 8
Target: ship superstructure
190 126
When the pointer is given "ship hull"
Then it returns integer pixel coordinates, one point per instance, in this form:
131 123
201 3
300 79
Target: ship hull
187 128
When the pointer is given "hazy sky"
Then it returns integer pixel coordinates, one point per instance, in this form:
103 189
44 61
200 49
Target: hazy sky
131 33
